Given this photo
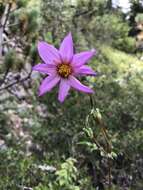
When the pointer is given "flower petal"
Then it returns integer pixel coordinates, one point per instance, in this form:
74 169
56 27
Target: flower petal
48 83
63 90
84 70
80 59
77 85
45 68
66 48
48 53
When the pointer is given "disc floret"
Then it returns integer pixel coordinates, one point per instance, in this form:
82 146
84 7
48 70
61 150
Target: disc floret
64 70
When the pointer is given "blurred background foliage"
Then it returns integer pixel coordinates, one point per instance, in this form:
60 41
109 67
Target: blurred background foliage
45 145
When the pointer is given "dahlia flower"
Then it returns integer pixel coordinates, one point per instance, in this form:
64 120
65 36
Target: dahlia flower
63 66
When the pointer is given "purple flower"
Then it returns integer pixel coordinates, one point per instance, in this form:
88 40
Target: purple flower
63 66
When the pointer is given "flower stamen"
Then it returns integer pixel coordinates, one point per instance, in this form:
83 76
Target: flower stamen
64 70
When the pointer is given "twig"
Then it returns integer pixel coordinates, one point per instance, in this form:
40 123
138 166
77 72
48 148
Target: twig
24 187
88 12
5 42
10 25
16 82
14 94
5 75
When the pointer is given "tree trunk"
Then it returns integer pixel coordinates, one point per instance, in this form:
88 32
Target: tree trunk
109 4
3 24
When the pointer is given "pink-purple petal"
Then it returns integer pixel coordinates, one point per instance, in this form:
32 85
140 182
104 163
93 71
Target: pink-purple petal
78 85
84 70
63 90
48 53
66 48
45 68
82 58
48 83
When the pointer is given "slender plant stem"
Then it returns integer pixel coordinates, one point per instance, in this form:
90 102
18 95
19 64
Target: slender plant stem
106 136
109 172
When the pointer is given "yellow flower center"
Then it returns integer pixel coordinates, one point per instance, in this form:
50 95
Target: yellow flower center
64 70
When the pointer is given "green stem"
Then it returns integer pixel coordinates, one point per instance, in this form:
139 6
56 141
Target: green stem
106 136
